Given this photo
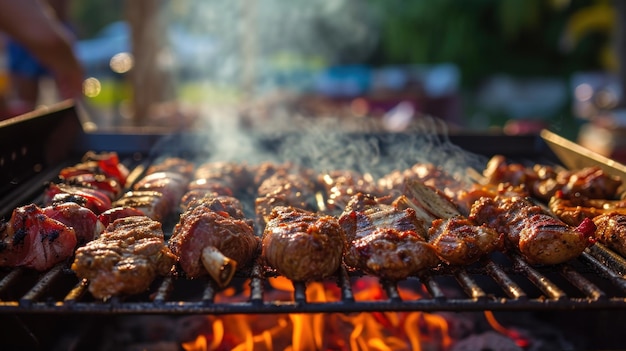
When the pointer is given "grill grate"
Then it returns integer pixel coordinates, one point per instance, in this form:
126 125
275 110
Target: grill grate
589 282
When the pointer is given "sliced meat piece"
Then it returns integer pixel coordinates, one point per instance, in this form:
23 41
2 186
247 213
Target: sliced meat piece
85 223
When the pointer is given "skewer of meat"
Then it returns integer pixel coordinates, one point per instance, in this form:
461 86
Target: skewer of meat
158 193
125 258
341 185
213 234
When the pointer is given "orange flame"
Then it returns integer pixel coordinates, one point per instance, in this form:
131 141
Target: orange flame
519 339
319 331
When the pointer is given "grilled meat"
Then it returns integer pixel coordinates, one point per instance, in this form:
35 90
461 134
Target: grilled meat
459 241
217 223
125 259
109 186
94 199
150 203
302 245
279 189
611 231
32 239
176 165
543 182
85 223
341 185
171 185
385 241
572 210
539 237
109 216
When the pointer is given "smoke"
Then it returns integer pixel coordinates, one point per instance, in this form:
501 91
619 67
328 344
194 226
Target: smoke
260 46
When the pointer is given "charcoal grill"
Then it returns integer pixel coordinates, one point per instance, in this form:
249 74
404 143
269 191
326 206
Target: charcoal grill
502 282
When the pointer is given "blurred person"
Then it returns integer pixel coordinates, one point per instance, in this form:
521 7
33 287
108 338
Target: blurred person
40 44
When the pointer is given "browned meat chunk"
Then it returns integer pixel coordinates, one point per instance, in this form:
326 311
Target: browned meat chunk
385 241
284 190
539 237
459 241
301 245
340 186
611 231
125 259
217 223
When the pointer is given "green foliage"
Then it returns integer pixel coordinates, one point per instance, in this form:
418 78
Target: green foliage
518 37
90 16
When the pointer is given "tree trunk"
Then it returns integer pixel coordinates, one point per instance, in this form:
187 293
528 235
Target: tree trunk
149 80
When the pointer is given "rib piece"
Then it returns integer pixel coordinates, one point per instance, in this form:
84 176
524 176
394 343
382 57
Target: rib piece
385 241
302 245
217 223
125 259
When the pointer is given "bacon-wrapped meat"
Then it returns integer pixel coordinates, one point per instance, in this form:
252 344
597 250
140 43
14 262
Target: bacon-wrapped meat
302 245
125 259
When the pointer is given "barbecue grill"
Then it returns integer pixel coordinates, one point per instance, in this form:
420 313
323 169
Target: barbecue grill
503 282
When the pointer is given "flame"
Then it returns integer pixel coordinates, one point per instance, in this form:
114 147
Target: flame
324 331
519 339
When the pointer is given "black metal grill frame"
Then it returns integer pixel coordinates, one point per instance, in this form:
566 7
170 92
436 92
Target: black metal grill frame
593 281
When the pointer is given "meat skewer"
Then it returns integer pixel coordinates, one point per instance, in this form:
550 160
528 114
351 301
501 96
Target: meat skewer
213 236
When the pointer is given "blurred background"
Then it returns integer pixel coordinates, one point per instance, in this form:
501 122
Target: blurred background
497 66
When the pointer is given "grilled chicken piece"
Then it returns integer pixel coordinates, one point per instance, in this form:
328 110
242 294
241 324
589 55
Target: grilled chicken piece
385 241
214 237
85 223
539 237
302 245
32 239
611 231
125 259
176 165
151 203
